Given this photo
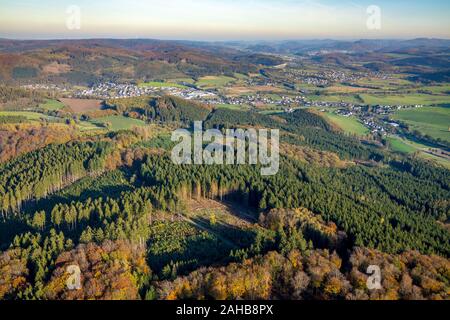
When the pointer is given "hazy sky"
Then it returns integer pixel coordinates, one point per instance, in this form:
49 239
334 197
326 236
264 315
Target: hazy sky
224 19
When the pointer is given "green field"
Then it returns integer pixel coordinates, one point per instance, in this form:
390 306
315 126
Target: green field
271 112
186 80
231 106
85 126
408 99
349 125
162 85
214 81
402 145
433 121
397 145
52 105
389 84
240 76
438 160
26 114
437 89
350 98
118 122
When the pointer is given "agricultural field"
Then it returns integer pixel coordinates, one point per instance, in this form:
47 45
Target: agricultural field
178 80
405 99
52 105
33 116
442 89
432 121
82 105
271 112
214 81
117 123
388 84
337 89
251 90
349 125
398 145
349 98
231 106
408 147
440 161
157 84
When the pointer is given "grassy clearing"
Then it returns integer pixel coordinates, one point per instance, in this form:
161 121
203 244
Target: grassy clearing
433 121
273 96
438 160
406 146
214 81
240 76
271 112
345 89
29 115
52 105
231 106
408 99
117 123
397 145
162 85
444 89
86 126
335 98
181 80
349 125
389 84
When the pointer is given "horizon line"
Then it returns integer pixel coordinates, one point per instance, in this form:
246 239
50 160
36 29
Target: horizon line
229 40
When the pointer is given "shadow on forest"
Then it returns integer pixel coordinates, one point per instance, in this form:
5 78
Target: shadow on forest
239 237
199 251
48 203
9 229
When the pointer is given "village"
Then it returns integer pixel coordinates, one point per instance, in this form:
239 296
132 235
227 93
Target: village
376 118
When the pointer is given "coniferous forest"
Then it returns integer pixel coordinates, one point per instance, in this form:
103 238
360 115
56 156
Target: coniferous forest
141 227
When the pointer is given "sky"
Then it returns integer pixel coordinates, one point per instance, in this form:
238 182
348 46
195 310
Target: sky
224 19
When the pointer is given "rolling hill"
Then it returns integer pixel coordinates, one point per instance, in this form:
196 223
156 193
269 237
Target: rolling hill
88 61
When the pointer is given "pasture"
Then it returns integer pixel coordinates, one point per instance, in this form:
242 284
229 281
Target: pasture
214 81
231 106
157 84
82 105
349 125
32 116
405 99
433 121
117 123
398 145
52 105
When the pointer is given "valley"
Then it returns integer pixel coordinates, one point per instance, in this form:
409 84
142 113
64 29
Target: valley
86 175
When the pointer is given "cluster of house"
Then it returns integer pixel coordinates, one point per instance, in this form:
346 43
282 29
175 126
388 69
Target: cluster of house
52 87
327 77
111 90
259 99
376 117
324 78
328 104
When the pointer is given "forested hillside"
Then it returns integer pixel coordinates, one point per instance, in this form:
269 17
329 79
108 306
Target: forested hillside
164 109
141 227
